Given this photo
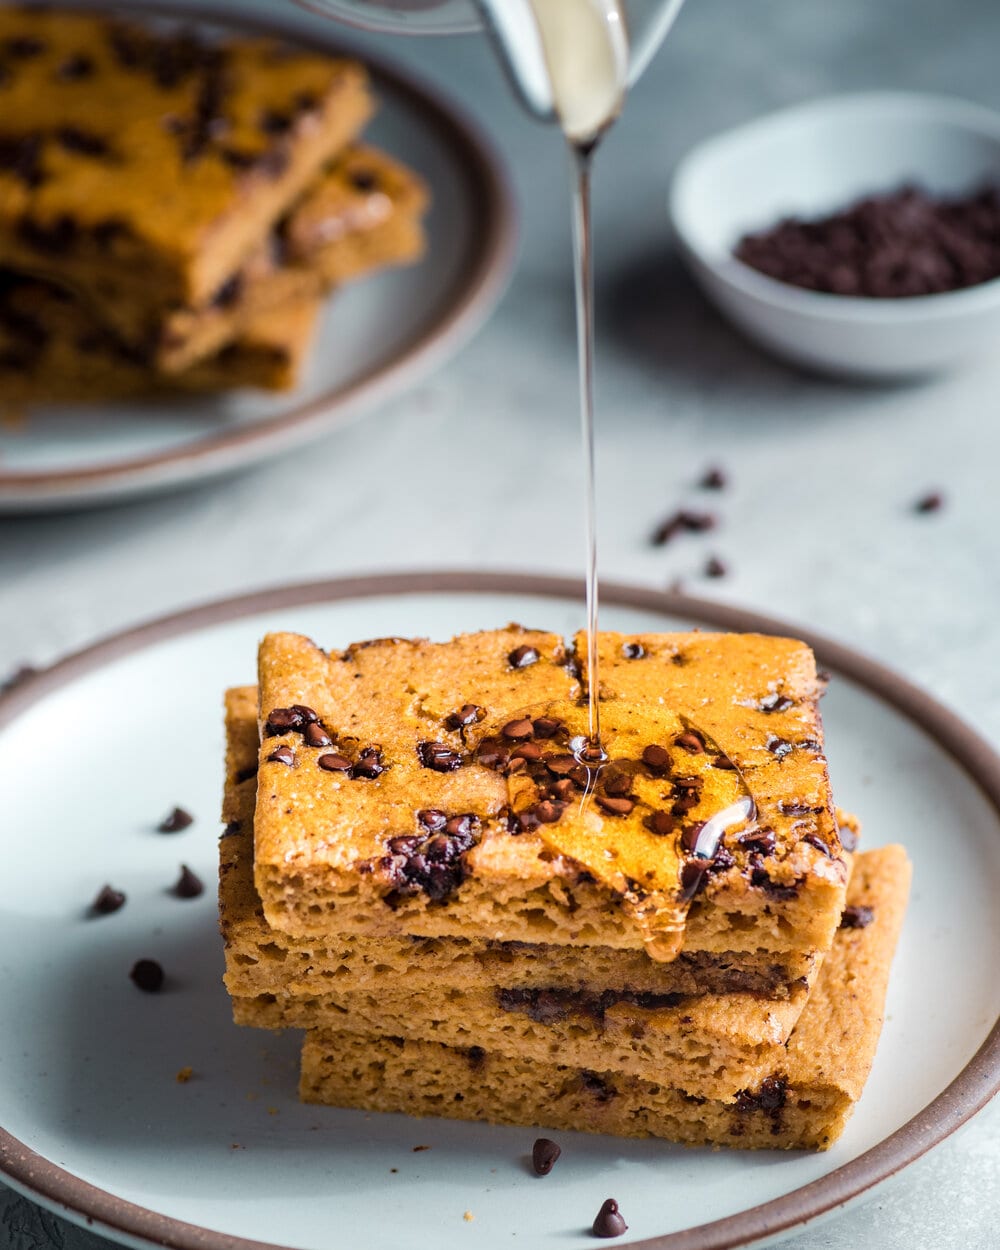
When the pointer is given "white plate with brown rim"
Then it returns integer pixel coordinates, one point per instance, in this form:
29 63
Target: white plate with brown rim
94 1123
378 335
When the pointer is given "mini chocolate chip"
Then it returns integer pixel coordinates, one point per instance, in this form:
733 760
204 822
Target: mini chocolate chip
617 784
147 975
476 1056
775 703
857 917
283 755
681 521
614 806
108 900
316 736
432 819
633 650
817 842
75 67
724 763
527 751
694 876
334 763
690 835
370 764
522 657
467 714
932 502
282 720
518 730
309 715
437 756
657 758
188 884
547 726
608 1221
660 823
769 1097
779 747
544 1153
549 812
691 741
714 479
762 841
714 567
177 820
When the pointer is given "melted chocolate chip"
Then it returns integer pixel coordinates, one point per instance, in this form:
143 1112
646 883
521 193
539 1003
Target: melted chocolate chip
431 819
177 820
817 842
547 726
762 841
633 650
694 878
370 764
314 735
107 901
857 917
775 703
660 823
334 763
529 751
773 889
614 806
283 755
518 730
691 741
769 1097
283 720
434 864
544 1153
725 763
188 885
522 657
617 784
437 756
608 1222
467 714
779 747
796 808
147 975
657 759
492 753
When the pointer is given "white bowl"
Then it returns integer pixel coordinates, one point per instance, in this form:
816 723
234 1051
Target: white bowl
814 159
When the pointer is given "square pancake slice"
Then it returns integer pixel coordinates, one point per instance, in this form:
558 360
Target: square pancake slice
441 789
803 1102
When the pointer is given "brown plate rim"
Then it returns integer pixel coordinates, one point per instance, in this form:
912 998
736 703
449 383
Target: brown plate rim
465 306
967 1093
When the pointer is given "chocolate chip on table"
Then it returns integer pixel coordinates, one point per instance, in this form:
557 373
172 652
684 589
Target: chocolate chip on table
633 650
147 975
714 478
608 1221
615 806
857 917
522 656
188 885
544 1153
437 756
467 714
108 900
932 502
315 735
334 763
775 703
714 567
680 522
177 820
518 730
283 755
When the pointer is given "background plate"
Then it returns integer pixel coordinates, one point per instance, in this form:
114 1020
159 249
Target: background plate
95 1125
378 335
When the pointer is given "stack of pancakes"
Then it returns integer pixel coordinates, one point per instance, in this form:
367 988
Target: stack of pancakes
470 917
173 211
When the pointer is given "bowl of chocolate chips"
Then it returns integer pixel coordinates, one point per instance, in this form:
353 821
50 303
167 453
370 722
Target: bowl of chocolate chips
857 235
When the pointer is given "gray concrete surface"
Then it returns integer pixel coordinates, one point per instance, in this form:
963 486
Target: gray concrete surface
818 525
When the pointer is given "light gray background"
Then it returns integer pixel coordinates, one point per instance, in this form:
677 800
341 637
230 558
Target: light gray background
479 466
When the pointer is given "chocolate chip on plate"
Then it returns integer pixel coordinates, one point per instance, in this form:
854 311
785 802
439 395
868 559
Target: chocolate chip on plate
188 884
544 1153
107 901
177 820
147 975
608 1221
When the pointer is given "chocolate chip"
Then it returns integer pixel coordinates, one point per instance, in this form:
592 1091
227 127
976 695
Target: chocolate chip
724 763
660 823
857 917
608 1221
690 835
547 726
779 747
775 703
518 730
107 901
932 502
246 773
714 479
691 741
283 720
434 864
527 751
614 806
467 714
656 758
562 790
147 975
762 841
694 876
437 756
188 884
177 820
544 1153
522 657
316 736
617 784
714 567
814 840
561 765
680 522
370 764
363 180
476 1056
284 755
633 650
769 1097
334 763
82 142
75 67
232 828
848 838
23 47
793 807
432 819
549 812
491 753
